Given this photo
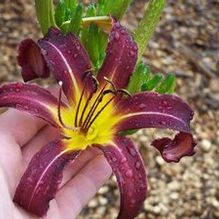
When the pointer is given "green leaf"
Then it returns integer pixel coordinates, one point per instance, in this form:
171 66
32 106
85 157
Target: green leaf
76 20
71 4
92 45
148 24
45 14
60 12
91 11
115 8
152 83
167 85
139 77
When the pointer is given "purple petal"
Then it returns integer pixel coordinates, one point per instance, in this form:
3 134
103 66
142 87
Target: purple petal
42 178
66 58
128 167
31 99
152 110
121 57
173 150
31 61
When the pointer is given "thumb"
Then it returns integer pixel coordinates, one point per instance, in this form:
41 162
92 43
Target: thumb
6 205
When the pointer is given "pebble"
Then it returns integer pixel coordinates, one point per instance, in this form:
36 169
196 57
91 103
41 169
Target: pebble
205 145
174 195
102 200
93 203
214 85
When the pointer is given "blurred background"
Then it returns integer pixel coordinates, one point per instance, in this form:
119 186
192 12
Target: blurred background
186 42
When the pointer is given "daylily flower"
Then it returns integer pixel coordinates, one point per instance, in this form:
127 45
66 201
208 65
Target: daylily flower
96 112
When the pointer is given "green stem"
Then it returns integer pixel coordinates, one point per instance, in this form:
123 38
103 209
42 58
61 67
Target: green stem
88 20
122 9
45 14
148 24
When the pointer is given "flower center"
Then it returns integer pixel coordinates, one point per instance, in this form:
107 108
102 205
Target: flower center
89 107
92 133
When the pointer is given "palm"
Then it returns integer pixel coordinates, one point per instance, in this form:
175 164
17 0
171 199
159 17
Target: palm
21 136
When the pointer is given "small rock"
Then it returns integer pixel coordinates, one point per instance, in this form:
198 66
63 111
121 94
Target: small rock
205 145
214 85
93 203
174 186
174 195
160 160
103 190
102 200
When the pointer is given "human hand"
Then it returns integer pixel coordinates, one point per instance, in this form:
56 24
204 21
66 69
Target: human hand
21 136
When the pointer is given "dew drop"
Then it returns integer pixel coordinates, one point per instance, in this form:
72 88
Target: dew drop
44 52
160 107
117 25
132 152
132 53
165 103
75 55
116 36
142 106
129 173
69 51
123 160
138 165
78 48
163 123
114 159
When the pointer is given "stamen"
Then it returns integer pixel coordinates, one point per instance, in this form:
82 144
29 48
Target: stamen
59 109
87 74
98 113
78 107
111 83
124 92
93 107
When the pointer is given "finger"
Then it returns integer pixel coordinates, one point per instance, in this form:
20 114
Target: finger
14 161
43 137
73 196
6 206
19 126
73 168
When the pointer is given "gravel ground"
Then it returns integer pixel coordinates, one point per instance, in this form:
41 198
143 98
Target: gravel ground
187 43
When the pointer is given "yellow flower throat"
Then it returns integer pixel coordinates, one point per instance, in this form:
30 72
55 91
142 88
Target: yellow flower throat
91 120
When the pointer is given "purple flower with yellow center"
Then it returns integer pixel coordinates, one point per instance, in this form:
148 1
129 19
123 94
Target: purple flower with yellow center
96 112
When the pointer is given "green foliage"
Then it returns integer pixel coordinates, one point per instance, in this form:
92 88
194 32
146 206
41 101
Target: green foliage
116 8
147 25
139 77
76 20
85 21
45 14
144 80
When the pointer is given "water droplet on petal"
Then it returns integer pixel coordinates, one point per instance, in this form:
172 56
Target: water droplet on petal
132 152
114 159
129 173
142 106
138 165
123 160
78 48
163 123
116 36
